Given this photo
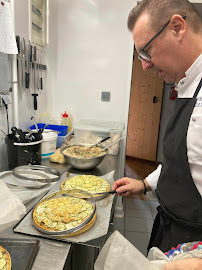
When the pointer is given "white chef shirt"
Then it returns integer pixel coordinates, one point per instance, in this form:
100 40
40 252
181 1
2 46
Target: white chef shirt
186 89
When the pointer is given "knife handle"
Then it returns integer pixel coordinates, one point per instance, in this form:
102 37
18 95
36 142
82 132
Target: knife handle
112 191
35 53
30 51
41 81
18 43
35 101
27 80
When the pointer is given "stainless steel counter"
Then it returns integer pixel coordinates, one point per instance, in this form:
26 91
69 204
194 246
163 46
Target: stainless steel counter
53 254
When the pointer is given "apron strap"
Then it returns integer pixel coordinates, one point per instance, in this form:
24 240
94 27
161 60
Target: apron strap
198 88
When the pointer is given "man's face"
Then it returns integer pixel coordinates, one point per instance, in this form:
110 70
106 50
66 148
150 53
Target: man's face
162 49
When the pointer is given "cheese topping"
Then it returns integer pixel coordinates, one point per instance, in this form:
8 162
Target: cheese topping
90 183
62 213
82 151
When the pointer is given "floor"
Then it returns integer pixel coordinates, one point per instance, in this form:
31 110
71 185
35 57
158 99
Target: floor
139 212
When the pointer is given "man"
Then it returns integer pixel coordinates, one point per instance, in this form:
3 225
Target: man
168 39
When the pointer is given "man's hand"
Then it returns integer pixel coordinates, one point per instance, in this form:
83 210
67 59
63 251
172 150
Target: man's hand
185 264
128 187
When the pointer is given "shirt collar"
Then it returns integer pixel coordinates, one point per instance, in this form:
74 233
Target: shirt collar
187 85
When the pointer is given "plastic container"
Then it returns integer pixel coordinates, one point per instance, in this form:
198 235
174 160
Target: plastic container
62 129
61 136
61 139
48 144
23 153
87 131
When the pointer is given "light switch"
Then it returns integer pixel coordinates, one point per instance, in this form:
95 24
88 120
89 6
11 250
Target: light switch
105 96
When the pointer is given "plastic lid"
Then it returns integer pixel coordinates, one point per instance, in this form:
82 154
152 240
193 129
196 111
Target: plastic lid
64 115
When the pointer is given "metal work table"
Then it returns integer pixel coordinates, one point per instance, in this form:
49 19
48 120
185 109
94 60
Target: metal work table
52 254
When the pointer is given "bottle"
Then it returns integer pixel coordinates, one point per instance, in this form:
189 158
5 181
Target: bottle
66 121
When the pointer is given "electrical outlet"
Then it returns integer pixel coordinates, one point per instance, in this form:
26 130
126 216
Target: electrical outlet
105 96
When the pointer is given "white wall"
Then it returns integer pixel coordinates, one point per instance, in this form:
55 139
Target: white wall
91 51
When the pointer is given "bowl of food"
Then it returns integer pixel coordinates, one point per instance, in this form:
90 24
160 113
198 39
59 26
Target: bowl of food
82 157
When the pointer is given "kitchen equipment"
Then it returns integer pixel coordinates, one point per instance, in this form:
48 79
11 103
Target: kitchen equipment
18 135
114 142
22 252
82 163
29 181
27 65
103 212
94 145
22 153
35 82
19 65
61 130
41 77
23 53
36 126
105 193
77 193
36 173
91 131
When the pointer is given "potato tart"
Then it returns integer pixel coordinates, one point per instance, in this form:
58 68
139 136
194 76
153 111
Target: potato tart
63 213
5 259
90 183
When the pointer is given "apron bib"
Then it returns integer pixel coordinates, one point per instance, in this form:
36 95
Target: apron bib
179 217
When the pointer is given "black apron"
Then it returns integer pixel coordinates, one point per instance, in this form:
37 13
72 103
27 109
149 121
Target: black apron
179 217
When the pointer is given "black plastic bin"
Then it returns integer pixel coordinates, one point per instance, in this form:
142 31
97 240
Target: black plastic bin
23 153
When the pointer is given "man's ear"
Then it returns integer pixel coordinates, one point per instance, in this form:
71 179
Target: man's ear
178 24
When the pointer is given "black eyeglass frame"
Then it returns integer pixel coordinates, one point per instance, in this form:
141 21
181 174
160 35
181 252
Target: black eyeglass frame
142 55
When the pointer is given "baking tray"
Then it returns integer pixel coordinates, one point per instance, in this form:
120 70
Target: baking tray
22 252
100 228
62 194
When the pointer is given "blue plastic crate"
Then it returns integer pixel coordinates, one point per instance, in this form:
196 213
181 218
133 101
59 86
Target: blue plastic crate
62 129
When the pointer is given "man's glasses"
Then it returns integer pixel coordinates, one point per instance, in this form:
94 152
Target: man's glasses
142 55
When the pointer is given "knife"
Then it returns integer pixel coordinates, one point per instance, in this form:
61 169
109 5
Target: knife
19 70
41 77
35 94
27 65
23 52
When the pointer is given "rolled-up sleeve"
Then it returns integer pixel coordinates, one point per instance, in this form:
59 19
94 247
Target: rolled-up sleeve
153 177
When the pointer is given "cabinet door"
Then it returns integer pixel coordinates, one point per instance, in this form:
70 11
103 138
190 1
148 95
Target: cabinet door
144 112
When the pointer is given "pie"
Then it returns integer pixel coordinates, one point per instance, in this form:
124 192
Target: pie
83 151
90 183
62 213
5 259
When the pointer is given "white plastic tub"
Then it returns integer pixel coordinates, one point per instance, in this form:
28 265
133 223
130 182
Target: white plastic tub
49 143
87 131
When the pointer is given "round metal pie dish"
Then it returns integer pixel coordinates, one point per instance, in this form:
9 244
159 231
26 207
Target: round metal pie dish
74 194
83 163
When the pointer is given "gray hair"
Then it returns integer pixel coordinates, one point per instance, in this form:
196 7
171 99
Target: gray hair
161 11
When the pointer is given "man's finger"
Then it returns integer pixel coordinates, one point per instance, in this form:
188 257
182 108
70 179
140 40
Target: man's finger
122 189
119 183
